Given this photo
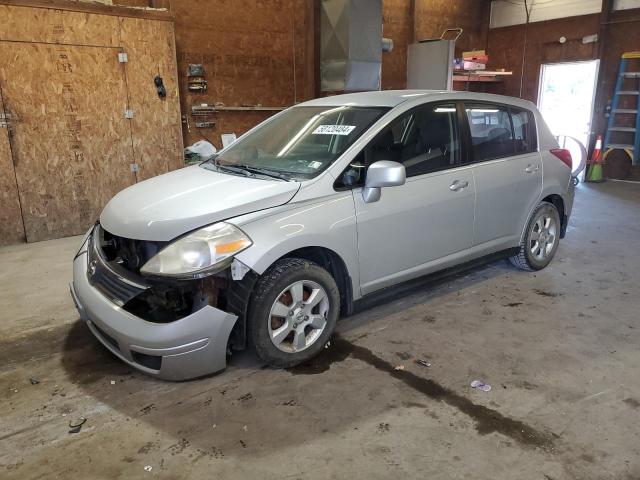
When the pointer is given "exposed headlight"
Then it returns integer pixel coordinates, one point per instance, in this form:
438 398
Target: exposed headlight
198 253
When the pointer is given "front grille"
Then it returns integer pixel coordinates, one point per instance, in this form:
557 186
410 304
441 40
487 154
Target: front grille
128 253
103 275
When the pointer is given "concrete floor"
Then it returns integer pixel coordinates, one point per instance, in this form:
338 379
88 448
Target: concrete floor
559 347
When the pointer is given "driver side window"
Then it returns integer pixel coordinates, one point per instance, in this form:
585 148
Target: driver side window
425 140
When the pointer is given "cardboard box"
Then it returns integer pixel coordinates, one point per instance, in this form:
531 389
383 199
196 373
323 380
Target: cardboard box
474 66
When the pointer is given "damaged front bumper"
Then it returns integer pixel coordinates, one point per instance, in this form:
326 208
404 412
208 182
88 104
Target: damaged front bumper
189 347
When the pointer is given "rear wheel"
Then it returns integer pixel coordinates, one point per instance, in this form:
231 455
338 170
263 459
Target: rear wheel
293 313
540 240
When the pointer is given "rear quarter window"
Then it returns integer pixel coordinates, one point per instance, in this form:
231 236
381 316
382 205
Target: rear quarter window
491 131
524 130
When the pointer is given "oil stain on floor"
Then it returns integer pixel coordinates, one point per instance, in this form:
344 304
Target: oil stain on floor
487 420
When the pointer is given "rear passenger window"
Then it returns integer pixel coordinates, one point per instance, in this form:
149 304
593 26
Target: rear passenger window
491 132
523 131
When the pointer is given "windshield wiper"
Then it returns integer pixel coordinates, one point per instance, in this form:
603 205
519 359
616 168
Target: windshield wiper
264 171
236 169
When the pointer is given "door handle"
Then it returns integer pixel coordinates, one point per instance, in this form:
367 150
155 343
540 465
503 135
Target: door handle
532 168
457 185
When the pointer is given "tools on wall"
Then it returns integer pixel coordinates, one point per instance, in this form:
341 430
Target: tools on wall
197 82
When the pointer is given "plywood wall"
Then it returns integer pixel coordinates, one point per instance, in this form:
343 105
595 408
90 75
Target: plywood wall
72 146
156 125
11 228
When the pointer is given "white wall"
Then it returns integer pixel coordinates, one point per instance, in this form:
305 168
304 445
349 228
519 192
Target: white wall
511 12
625 4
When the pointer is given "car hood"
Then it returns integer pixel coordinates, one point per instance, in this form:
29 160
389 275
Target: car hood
165 207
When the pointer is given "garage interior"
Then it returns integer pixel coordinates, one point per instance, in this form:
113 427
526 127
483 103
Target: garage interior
96 96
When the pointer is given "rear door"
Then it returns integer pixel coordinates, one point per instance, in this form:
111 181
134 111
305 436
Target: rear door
427 223
508 172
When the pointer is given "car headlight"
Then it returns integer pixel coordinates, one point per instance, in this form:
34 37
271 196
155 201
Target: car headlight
199 253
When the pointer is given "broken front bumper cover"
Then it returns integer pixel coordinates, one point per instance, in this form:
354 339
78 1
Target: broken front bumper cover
190 347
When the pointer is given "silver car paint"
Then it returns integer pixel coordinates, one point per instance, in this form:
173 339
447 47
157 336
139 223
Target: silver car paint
190 347
401 236
167 206
327 222
507 190
282 217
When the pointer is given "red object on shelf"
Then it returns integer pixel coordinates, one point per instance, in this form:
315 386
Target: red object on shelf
479 59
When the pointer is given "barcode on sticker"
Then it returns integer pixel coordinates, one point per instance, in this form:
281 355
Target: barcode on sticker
334 130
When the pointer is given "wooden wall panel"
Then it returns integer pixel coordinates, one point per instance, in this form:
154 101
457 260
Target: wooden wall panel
57 26
406 21
72 144
432 17
397 24
11 228
156 124
72 147
505 50
248 50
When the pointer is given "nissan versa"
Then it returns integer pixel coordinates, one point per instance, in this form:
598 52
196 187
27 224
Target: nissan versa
269 241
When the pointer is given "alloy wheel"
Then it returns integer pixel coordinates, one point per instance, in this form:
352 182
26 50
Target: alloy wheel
298 316
544 235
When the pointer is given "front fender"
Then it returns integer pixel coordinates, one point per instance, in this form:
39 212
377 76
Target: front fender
328 223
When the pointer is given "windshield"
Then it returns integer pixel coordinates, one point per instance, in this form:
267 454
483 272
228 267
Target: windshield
300 142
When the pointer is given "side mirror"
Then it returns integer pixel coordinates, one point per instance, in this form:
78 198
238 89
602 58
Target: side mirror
382 174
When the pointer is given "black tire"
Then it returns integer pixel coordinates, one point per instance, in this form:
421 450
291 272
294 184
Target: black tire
525 259
268 289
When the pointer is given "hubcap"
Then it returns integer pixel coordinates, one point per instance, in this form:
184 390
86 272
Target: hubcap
543 236
298 316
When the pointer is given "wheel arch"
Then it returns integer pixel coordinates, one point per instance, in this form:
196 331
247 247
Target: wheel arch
335 265
240 292
555 199
558 201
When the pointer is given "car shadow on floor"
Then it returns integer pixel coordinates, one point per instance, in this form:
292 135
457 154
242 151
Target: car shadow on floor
249 393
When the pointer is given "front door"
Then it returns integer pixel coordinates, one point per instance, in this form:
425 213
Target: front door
427 223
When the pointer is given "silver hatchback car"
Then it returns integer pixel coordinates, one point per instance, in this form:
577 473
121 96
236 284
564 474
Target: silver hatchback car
268 242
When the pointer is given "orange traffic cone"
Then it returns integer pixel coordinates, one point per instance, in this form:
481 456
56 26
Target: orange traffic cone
594 174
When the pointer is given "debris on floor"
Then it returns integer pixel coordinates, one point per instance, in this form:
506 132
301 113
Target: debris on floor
424 363
398 367
477 384
383 427
148 468
34 381
76 425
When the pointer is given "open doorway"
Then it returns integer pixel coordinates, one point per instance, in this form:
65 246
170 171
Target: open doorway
565 99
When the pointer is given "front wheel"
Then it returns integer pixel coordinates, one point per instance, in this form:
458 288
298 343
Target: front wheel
293 312
540 240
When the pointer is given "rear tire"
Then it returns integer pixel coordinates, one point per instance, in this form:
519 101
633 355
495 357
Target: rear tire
293 312
540 240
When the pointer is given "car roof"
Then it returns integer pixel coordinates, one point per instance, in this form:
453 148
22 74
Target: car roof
393 98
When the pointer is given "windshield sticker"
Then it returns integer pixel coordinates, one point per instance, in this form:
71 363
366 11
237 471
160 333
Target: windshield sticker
334 130
315 165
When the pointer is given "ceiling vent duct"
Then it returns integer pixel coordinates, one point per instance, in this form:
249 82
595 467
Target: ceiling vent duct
351 45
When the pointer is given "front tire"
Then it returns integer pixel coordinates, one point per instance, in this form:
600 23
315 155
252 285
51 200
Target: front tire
293 312
540 240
